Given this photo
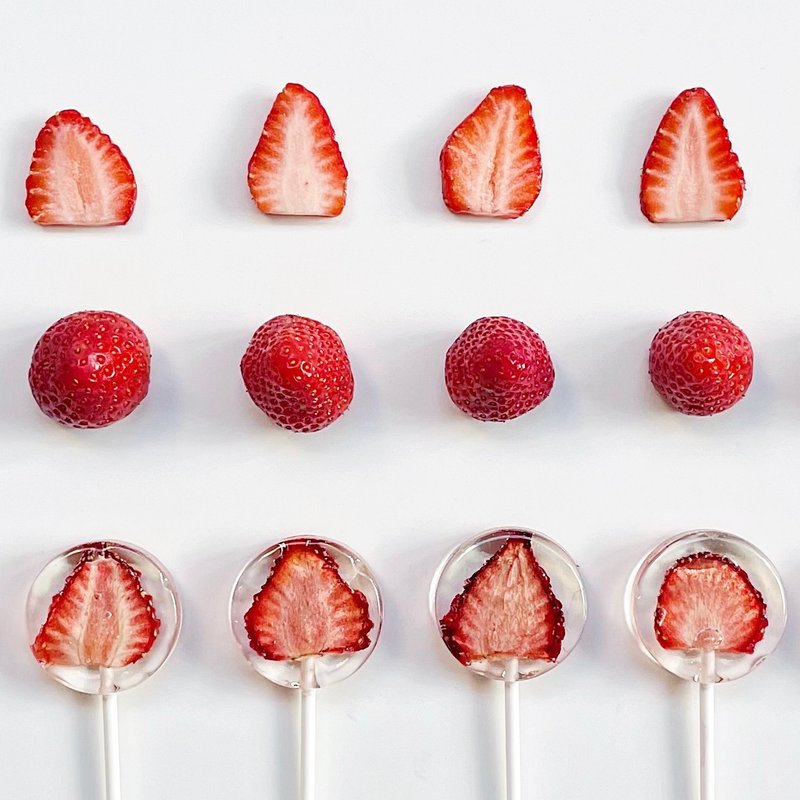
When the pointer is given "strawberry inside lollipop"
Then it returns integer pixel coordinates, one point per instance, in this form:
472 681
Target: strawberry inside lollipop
101 618
708 602
305 608
507 610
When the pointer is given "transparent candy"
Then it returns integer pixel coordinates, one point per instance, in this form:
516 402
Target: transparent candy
329 668
466 559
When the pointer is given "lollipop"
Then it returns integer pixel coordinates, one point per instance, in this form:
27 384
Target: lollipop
708 607
510 605
103 617
306 613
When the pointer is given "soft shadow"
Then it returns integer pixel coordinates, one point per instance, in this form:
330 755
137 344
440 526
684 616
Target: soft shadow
16 403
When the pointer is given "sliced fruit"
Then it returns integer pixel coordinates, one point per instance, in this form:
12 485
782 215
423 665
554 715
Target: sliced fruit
78 176
491 164
306 609
297 167
708 602
101 618
507 610
691 174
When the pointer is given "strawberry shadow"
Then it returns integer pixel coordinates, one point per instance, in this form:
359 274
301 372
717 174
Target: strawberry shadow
18 410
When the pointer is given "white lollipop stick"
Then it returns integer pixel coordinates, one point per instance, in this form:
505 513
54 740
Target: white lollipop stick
108 698
308 728
512 730
708 678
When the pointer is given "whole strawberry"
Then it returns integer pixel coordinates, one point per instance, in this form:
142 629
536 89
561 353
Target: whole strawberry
498 369
90 369
297 372
701 363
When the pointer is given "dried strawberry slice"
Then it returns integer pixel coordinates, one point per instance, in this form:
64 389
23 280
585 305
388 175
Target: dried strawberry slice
507 610
101 618
706 598
305 608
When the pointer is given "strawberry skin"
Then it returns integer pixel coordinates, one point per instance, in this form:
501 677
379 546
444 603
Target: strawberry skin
297 372
90 369
708 602
78 176
701 363
306 609
297 167
691 174
491 165
498 369
101 618
507 610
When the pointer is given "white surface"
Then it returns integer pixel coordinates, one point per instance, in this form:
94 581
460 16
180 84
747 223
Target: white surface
202 480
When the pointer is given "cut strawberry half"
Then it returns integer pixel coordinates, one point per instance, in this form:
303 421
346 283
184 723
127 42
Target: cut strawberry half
507 610
306 609
78 175
491 164
101 618
708 602
690 173
297 167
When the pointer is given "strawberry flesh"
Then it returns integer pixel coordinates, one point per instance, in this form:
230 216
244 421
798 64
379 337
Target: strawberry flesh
507 610
297 167
101 618
708 602
690 173
305 608
78 176
491 165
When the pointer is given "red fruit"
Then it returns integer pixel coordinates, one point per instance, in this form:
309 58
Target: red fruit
306 609
708 602
701 363
297 372
491 164
78 175
297 167
507 610
690 173
498 369
90 369
101 618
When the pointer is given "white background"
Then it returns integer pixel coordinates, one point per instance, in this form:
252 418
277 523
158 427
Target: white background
199 477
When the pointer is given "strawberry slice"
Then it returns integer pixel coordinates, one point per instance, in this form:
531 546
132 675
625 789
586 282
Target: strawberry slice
690 173
507 610
78 175
491 165
306 609
101 618
297 167
708 601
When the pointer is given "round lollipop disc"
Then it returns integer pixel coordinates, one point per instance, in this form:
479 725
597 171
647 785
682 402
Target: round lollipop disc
644 587
463 562
155 581
328 668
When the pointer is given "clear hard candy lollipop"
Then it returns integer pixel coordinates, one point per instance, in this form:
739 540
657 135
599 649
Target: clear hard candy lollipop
708 607
103 617
306 613
509 605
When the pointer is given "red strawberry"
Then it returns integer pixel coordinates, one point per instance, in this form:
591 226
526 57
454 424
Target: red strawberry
101 618
498 369
491 165
708 602
701 363
690 173
297 372
90 369
306 609
507 610
78 175
297 167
